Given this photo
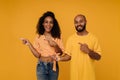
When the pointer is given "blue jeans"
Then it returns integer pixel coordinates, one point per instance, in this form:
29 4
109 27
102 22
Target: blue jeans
44 71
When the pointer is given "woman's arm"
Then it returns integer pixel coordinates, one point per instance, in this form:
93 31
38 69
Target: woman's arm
52 43
33 50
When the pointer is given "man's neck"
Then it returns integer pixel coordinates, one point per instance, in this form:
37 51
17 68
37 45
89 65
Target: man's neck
83 33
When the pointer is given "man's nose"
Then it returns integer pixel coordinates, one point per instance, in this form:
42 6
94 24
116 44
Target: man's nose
79 24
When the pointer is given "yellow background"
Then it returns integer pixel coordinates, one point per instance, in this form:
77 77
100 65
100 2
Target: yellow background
18 18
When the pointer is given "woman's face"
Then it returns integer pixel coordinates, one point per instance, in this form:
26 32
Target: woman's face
48 24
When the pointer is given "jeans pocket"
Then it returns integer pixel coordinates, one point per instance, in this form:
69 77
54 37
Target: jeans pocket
41 68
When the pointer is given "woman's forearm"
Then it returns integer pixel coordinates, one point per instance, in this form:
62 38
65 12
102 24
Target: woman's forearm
58 49
65 57
34 51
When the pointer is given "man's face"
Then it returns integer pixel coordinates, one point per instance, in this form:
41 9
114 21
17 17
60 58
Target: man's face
80 23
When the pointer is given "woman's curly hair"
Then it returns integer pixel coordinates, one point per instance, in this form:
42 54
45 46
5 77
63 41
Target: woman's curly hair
55 32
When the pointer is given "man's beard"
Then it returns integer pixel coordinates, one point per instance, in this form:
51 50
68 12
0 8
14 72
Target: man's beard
80 30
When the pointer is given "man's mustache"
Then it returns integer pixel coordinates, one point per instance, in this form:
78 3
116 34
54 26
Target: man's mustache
79 25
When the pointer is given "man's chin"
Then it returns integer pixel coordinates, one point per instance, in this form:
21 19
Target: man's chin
80 30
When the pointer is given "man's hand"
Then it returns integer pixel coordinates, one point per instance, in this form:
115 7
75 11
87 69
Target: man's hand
84 48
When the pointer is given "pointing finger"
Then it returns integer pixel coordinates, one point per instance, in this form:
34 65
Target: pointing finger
80 43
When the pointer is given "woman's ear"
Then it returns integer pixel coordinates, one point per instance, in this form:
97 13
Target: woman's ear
43 23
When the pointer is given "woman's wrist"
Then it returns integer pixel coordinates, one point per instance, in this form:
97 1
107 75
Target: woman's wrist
59 58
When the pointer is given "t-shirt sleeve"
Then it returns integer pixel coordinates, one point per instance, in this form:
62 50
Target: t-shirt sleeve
97 47
68 47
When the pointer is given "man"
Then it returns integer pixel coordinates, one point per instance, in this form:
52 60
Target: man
84 49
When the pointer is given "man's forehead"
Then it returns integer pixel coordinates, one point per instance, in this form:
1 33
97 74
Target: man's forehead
80 16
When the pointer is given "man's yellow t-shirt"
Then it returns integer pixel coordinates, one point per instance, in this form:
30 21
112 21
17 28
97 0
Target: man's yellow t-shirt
81 65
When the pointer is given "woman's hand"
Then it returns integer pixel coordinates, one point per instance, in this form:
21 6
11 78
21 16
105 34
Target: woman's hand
56 57
51 42
25 41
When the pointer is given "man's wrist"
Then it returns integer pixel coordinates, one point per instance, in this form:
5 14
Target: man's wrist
89 51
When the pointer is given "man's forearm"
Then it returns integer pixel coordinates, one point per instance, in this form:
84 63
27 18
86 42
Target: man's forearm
94 55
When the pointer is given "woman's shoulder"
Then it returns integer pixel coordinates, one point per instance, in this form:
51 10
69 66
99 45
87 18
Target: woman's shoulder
39 36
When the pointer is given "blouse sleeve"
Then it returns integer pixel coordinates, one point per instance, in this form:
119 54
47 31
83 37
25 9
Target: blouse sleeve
60 44
36 43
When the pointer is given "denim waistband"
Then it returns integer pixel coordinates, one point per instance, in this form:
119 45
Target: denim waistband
53 64
41 62
46 59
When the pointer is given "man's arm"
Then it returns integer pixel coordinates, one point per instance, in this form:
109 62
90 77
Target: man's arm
92 54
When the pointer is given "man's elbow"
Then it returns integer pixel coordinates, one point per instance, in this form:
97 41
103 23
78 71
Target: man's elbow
98 57
69 57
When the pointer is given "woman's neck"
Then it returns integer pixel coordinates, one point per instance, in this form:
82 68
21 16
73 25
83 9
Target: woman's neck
47 33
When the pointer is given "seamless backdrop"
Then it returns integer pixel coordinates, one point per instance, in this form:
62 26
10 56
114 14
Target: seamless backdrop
18 18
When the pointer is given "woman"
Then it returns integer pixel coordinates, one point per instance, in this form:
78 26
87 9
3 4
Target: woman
47 47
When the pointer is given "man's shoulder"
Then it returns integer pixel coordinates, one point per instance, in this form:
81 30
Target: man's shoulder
72 36
93 36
